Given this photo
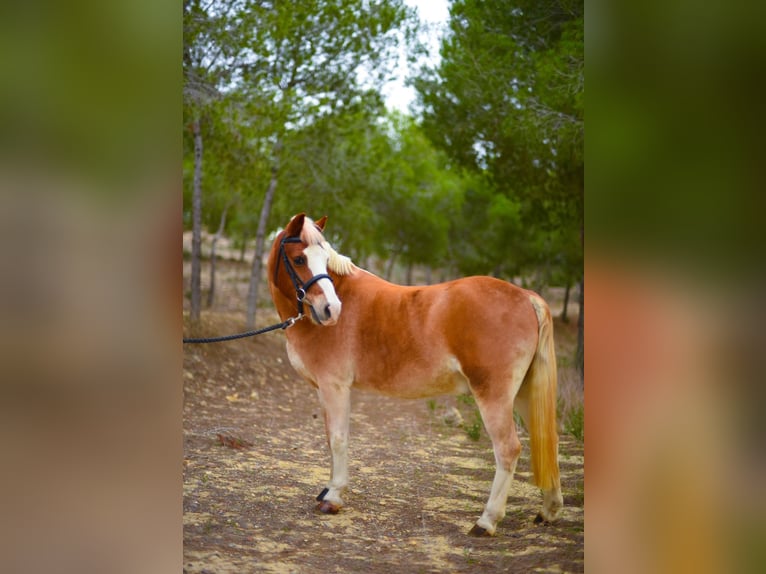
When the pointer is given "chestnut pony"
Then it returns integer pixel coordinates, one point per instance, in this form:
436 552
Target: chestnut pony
477 334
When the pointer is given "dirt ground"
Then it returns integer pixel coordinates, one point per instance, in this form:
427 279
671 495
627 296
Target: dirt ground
255 458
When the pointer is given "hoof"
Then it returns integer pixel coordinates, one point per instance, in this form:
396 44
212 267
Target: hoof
479 531
322 494
326 507
540 520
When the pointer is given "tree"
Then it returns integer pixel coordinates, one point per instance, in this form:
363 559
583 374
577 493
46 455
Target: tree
387 190
508 98
338 166
257 72
420 197
216 238
210 46
506 101
307 60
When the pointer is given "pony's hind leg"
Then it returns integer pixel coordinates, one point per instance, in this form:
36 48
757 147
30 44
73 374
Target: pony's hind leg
498 420
336 405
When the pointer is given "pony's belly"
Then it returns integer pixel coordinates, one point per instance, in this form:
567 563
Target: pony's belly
415 382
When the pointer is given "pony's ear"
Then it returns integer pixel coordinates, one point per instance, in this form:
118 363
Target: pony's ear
321 222
295 226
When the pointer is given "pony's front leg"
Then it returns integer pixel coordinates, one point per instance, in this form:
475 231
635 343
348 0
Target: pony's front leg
336 405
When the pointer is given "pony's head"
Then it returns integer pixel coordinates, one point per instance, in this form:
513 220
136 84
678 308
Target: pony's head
298 267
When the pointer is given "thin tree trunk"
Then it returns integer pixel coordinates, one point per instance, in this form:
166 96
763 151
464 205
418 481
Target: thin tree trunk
390 266
408 278
216 237
564 316
255 276
196 264
429 275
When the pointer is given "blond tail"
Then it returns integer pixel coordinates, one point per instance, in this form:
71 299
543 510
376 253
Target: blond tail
540 381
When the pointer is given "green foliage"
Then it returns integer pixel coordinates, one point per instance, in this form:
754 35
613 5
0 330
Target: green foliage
466 399
473 430
488 182
380 180
421 197
574 422
266 76
338 164
506 103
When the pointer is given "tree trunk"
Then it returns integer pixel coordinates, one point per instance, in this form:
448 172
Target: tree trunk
390 266
429 275
408 279
196 264
216 237
255 275
564 316
580 354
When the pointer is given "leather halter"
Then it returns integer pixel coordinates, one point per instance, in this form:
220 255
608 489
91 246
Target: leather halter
300 287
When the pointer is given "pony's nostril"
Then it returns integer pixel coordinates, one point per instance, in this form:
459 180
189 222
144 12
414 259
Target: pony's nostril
327 313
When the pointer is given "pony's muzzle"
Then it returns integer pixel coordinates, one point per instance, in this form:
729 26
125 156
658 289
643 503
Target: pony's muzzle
325 312
325 305
331 312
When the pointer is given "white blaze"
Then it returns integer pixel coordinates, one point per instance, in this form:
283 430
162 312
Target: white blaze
317 258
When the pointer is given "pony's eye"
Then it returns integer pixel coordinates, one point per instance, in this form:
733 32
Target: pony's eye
300 260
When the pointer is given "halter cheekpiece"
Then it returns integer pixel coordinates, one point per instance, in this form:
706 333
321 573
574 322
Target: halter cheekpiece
300 287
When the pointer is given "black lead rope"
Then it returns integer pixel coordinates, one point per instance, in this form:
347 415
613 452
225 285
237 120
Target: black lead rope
283 325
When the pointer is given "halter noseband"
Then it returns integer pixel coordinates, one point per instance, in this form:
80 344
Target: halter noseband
300 287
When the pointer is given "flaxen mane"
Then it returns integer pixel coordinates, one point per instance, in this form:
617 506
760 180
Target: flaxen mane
311 235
